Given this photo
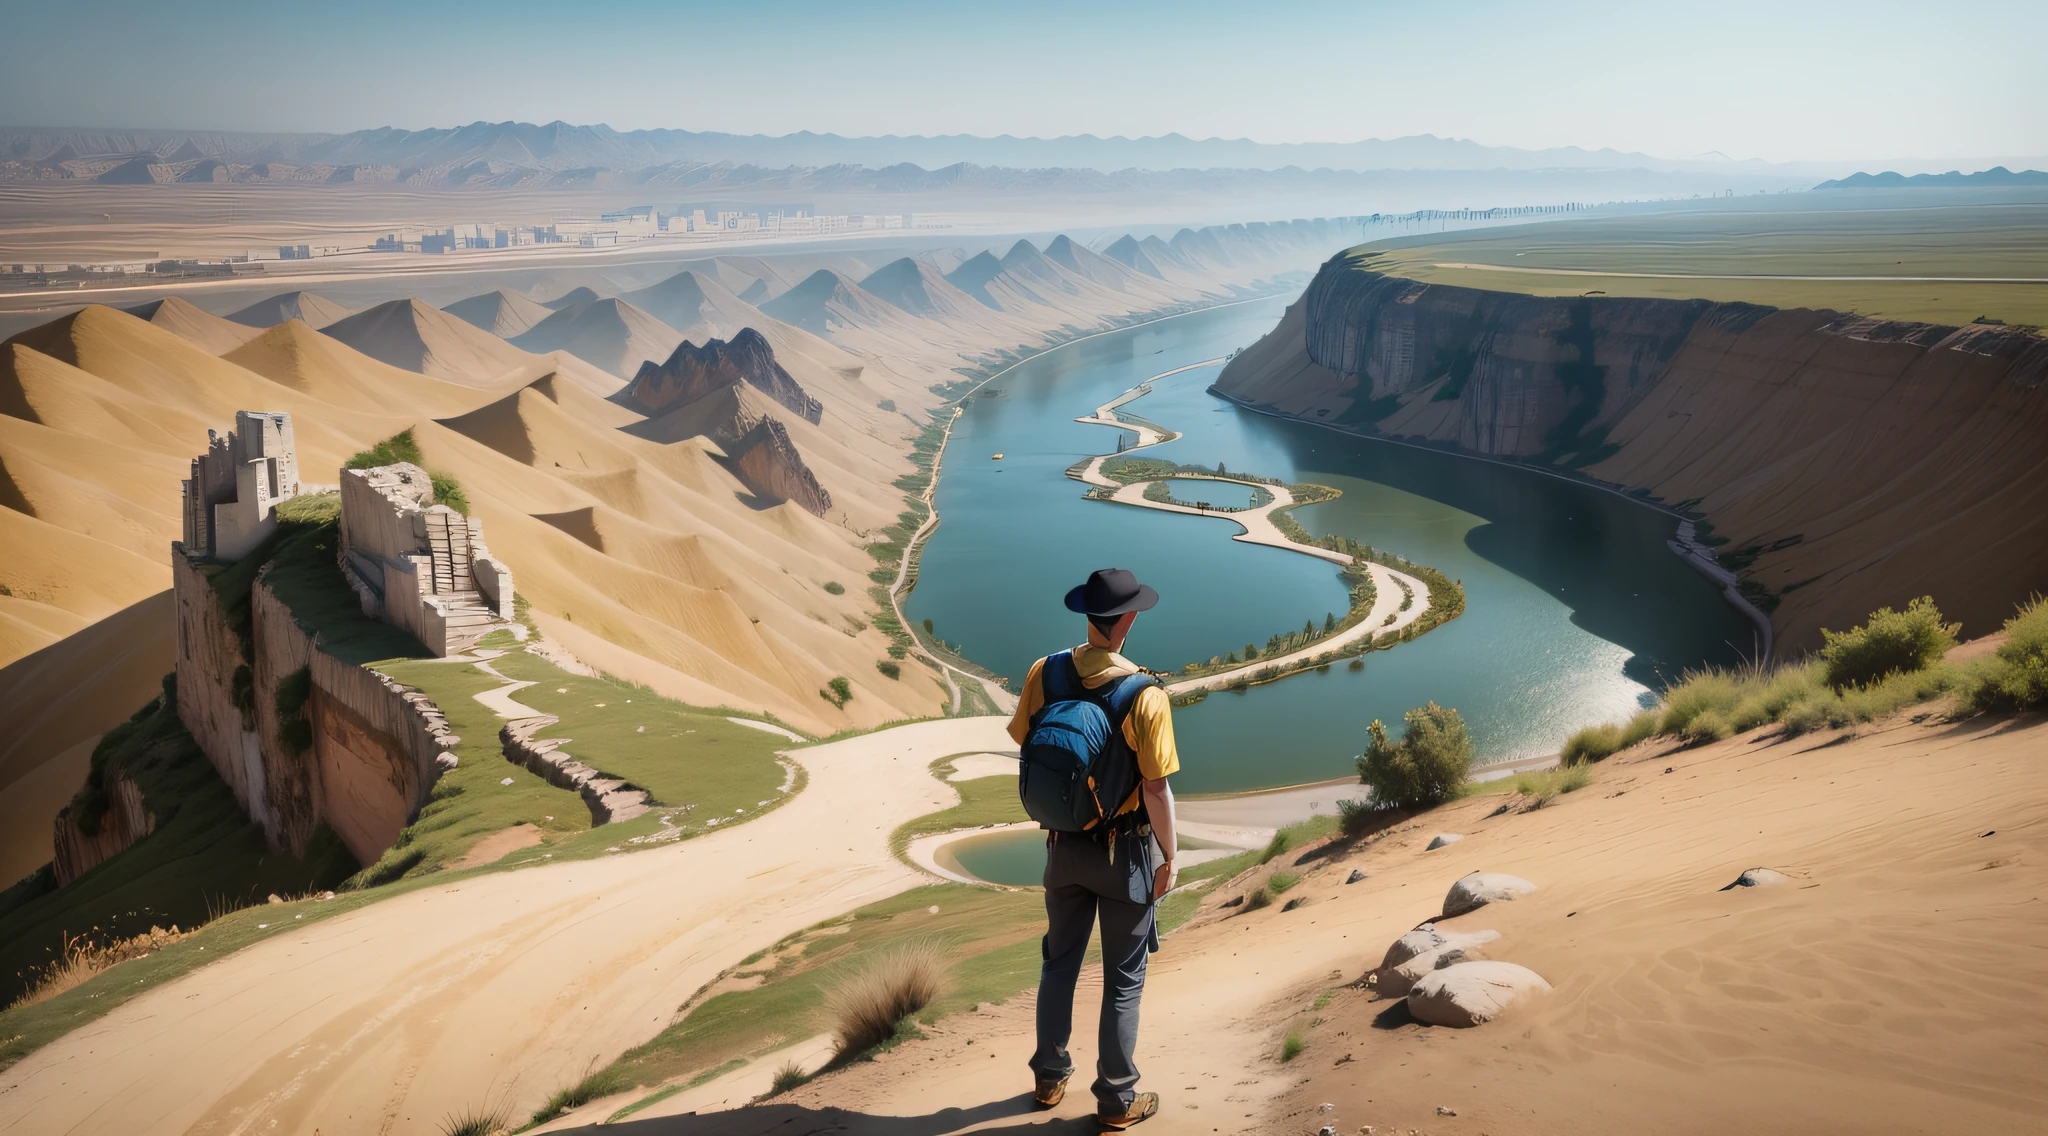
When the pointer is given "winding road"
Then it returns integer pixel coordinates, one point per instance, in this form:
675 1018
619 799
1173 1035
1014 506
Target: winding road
1387 616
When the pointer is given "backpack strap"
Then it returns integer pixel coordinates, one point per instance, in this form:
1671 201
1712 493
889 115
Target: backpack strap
1123 697
1058 679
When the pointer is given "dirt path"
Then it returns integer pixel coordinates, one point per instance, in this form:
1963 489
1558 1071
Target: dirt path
1388 615
504 986
1791 1010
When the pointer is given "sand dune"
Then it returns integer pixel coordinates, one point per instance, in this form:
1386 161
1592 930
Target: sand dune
197 326
412 336
503 314
574 296
305 360
315 311
610 334
1885 988
826 301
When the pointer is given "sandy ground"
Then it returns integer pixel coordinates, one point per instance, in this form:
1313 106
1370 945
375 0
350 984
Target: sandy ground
1891 986
506 986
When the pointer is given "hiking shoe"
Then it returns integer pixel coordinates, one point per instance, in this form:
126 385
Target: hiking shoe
1051 1093
1141 1107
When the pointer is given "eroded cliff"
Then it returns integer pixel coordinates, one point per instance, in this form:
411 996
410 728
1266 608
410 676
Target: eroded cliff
1841 462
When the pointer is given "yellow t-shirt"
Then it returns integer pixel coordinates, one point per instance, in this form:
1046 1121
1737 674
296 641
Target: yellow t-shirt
1148 728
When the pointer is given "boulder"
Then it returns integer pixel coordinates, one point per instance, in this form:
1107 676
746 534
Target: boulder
1397 981
1355 876
1471 993
1443 838
1759 877
1427 938
1481 888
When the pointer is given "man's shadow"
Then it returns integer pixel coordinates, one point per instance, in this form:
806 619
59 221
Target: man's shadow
785 1119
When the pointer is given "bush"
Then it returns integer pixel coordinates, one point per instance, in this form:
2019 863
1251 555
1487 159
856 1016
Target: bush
477 1120
602 1083
2016 678
1892 642
1594 743
838 692
1260 896
835 588
788 1077
866 1007
1280 882
1424 768
1292 1047
403 447
889 669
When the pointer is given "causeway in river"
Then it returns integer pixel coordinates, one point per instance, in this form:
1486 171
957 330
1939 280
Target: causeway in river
1575 609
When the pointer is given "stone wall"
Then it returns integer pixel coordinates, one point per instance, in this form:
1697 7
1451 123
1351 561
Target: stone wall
208 659
378 746
127 820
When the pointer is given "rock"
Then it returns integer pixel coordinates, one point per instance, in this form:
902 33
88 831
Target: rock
275 898
1326 1106
1759 877
1443 838
1236 901
1471 993
505 781
1355 876
1297 901
1327 1130
1481 888
1396 982
1442 1111
1427 938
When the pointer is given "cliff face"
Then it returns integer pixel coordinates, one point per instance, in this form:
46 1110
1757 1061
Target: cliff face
767 461
372 748
692 372
1847 462
126 820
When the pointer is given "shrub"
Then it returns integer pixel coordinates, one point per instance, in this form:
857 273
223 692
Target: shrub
834 587
1280 882
838 692
1292 1047
1708 726
294 728
788 1077
477 1120
2016 678
1594 743
1425 767
866 1007
1892 642
889 669
1260 896
602 1083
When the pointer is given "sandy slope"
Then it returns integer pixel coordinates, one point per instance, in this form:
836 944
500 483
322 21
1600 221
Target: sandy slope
503 986
1889 988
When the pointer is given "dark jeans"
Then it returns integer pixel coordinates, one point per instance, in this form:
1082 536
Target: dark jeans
1082 881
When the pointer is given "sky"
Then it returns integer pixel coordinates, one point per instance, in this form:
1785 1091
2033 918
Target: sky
1781 80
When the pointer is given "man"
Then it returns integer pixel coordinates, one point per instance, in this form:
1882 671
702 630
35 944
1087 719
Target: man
1117 878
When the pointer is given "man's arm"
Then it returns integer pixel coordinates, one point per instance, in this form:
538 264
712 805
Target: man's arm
1159 809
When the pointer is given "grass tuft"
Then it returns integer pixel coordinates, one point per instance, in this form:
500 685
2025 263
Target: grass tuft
1281 882
788 1077
601 1083
2016 678
867 1006
1292 1047
477 1120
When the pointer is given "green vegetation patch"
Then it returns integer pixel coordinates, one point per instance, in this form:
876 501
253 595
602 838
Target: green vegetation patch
983 801
204 856
989 939
403 447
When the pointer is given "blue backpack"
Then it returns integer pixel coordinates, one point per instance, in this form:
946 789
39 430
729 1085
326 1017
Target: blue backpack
1077 768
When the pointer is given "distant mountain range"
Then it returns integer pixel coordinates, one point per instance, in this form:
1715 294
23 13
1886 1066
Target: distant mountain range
1996 175
492 151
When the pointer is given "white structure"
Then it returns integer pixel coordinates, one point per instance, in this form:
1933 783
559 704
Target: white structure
231 498
417 565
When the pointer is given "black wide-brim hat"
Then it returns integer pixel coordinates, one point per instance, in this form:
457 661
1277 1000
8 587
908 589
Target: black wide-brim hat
1111 591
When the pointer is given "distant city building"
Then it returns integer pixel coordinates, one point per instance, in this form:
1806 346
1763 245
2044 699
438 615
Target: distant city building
231 498
294 252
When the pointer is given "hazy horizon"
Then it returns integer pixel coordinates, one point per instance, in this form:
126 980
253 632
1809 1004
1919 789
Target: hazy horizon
1821 82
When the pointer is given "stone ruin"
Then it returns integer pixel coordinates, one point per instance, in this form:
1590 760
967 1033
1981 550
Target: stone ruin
231 498
416 565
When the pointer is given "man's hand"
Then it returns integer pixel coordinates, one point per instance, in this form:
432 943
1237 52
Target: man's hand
1163 878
